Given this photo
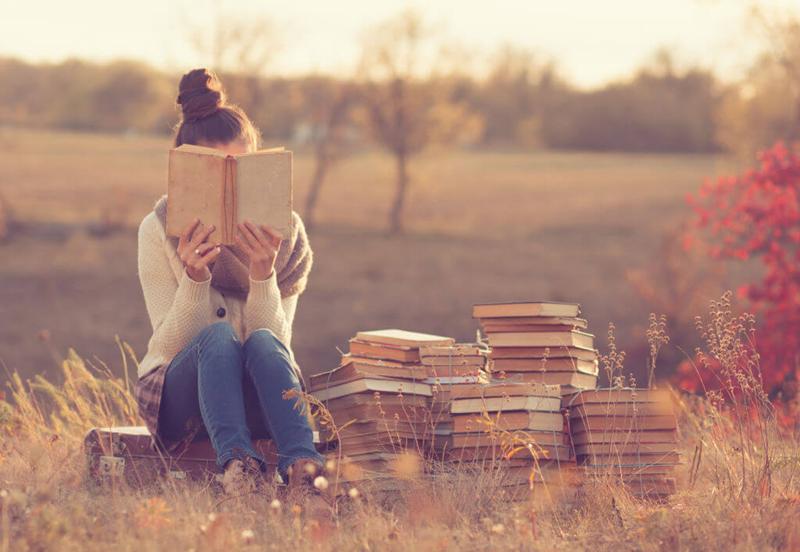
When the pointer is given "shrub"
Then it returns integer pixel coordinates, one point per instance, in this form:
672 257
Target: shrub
756 216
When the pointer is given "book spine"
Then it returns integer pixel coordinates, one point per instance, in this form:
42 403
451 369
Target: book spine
229 201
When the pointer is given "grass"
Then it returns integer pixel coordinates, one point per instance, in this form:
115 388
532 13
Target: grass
482 226
79 177
739 491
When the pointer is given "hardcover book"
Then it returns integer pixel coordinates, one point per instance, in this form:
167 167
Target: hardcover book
224 190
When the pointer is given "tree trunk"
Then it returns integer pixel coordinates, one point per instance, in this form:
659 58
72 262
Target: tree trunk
396 214
317 179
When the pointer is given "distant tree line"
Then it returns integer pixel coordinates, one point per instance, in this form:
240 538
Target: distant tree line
404 103
521 103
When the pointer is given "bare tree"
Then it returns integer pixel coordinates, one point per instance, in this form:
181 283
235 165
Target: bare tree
764 105
409 106
516 94
782 35
241 49
329 103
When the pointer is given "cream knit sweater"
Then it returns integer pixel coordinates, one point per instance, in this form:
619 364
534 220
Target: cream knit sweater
180 307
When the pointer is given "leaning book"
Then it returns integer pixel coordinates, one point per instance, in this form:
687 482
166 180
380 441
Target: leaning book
225 189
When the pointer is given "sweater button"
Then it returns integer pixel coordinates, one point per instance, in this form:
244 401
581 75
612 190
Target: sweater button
221 312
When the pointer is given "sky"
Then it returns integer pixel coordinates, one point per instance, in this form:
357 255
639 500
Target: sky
591 41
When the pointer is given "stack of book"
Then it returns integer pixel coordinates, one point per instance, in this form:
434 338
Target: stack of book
448 367
516 428
626 433
541 342
380 400
458 360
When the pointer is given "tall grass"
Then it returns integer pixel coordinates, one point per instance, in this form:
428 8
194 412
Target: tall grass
740 486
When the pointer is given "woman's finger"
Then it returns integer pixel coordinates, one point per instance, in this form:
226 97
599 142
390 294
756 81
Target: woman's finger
188 230
198 228
198 262
201 236
241 242
203 248
251 239
274 235
209 256
265 241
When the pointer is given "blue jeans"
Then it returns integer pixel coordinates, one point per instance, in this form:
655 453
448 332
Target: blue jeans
232 388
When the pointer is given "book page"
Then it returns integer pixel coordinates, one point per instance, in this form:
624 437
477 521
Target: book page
194 189
193 148
264 189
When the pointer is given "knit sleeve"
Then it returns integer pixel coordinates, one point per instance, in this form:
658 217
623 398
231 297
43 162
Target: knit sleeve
265 308
178 309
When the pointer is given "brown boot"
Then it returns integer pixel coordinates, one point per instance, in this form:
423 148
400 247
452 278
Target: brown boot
306 487
241 476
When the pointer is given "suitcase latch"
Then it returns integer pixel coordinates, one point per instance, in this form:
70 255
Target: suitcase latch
111 465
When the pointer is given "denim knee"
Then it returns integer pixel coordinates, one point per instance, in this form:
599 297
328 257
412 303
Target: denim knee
217 339
266 341
219 332
264 345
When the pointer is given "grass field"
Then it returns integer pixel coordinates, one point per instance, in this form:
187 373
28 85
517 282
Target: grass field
482 226
739 490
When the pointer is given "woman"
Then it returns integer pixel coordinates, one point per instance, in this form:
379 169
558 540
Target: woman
219 358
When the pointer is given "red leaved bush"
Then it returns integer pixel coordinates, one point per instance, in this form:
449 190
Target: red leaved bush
757 216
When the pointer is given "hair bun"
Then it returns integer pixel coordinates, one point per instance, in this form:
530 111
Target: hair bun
200 94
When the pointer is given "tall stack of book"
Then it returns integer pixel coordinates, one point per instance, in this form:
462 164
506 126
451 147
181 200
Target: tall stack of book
449 367
380 399
516 428
626 433
542 342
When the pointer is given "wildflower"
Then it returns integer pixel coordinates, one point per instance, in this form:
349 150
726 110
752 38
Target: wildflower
498 528
248 536
353 493
275 504
321 483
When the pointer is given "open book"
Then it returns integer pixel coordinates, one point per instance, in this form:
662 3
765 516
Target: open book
224 190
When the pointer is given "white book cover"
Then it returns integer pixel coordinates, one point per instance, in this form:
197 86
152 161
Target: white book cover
371 385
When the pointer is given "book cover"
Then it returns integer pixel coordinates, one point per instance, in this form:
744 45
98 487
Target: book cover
550 309
403 338
224 190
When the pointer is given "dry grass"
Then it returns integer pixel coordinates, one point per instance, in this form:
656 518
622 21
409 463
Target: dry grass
569 226
740 491
483 226
77 177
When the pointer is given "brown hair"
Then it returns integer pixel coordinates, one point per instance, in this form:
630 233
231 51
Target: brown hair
207 117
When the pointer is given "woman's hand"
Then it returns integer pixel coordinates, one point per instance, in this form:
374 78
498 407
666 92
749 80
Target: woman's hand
262 244
195 251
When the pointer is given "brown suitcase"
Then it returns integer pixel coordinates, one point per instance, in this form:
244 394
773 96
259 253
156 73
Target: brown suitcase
131 454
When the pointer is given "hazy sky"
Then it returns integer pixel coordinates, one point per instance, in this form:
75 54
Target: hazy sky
592 41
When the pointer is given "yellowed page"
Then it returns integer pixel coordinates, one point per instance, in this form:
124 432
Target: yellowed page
264 189
194 188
